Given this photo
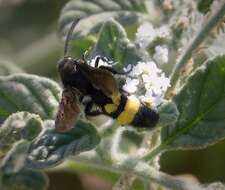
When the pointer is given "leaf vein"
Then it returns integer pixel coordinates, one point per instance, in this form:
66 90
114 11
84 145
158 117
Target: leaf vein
36 96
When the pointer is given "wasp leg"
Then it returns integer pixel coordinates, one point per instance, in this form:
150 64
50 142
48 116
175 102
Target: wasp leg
110 69
88 110
113 71
124 92
100 58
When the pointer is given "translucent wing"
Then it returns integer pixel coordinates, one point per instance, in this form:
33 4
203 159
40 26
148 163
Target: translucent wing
101 79
69 110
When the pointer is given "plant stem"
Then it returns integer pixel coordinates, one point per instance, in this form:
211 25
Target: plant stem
125 182
147 185
199 38
154 152
140 169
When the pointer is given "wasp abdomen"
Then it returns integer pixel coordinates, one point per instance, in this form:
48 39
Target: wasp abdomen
130 111
145 117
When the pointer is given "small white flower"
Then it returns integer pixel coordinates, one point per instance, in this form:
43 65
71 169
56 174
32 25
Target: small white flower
148 68
161 54
150 79
164 82
157 84
147 97
150 99
151 68
145 34
163 32
131 85
137 69
156 100
153 80
154 86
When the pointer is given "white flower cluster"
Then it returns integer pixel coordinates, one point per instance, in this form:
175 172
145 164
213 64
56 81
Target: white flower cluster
146 33
161 54
147 79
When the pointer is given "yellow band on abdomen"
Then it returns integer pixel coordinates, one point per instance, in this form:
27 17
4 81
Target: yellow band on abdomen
110 108
131 108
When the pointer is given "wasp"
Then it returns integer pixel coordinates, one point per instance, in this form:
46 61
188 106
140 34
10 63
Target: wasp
80 79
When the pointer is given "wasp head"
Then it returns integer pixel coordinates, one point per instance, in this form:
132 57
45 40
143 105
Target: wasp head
67 67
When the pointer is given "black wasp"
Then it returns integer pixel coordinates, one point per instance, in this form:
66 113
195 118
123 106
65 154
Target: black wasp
79 80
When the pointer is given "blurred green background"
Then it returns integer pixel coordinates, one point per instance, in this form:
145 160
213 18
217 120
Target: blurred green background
28 38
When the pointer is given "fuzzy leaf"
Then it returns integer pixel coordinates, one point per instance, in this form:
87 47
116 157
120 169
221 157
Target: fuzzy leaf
215 186
20 125
23 92
204 5
126 141
93 13
14 160
168 113
114 44
7 68
201 103
24 180
52 147
217 46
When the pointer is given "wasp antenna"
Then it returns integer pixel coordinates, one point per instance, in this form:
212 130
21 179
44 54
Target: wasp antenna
73 25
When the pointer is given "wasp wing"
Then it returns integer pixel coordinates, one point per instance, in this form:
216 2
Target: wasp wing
69 110
101 79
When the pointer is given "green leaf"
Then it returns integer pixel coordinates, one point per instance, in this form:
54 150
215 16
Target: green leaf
114 44
108 175
201 103
215 186
16 135
7 68
168 113
52 147
79 46
23 92
24 180
15 158
93 13
20 125
126 141
204 6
